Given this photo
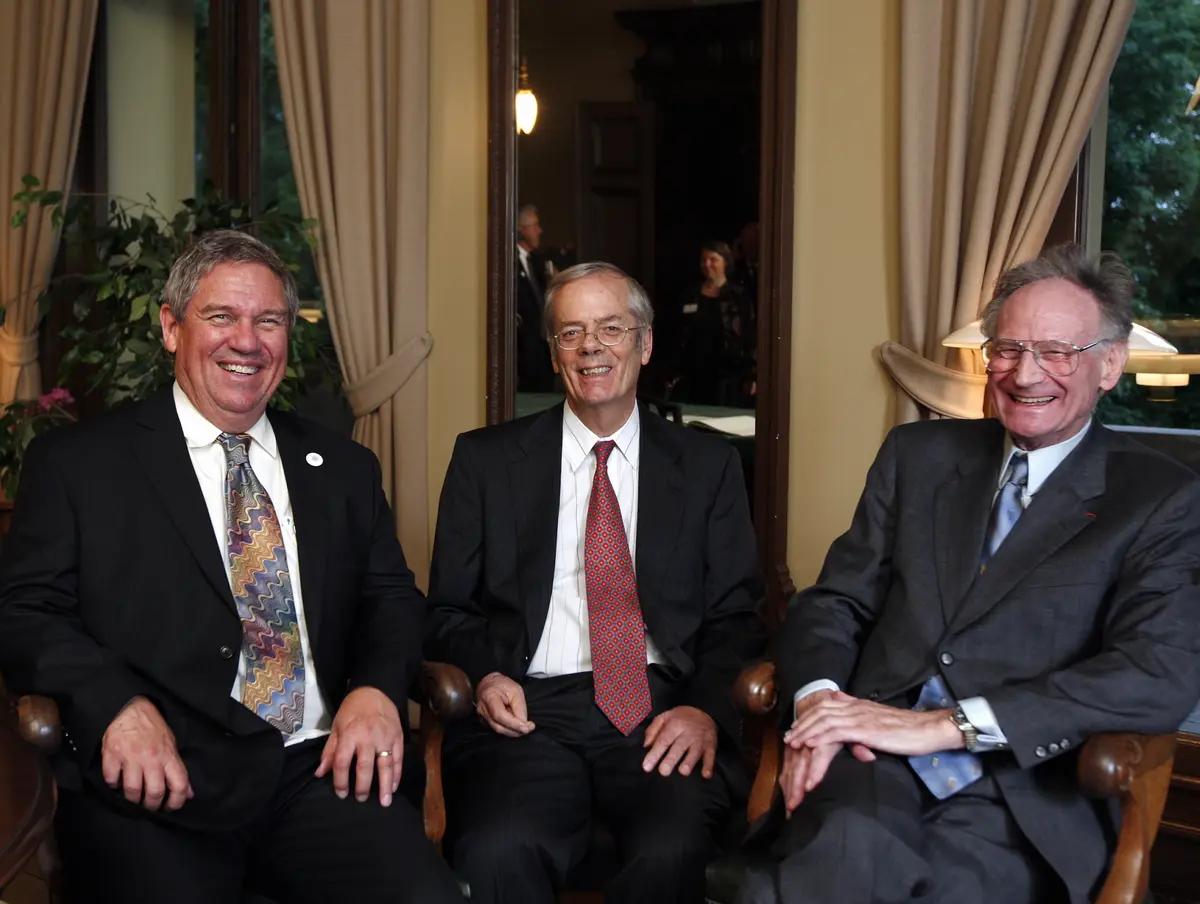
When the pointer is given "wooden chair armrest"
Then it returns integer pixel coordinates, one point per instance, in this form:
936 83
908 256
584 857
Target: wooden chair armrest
754 695
1136 770
447 689
754 690
448 697
39 723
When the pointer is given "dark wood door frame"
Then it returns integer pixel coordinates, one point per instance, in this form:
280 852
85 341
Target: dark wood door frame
776 194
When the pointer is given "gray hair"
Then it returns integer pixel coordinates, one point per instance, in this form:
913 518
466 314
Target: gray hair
635 296
223 246
525 209
1106 278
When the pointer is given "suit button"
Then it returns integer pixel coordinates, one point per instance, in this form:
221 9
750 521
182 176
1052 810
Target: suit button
874 695
1054 748
1039 751
947 658
226 652
1064 743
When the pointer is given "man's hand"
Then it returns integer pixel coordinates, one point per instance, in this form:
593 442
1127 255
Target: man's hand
838 718
367 730
138 754
681 737
500 702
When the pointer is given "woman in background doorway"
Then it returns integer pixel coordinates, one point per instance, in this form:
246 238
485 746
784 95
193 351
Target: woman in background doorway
716 357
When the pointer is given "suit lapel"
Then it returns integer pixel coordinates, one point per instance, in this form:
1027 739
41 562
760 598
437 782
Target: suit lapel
961 507
1057 513
660 498
535 471
309 492
163 457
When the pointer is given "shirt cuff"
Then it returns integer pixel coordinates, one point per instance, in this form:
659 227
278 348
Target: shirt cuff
821 684
979 713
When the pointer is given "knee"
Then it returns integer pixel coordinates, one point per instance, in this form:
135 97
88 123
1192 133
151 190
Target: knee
500 847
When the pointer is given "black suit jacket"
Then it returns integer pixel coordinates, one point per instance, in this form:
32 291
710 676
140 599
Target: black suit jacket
113 585
534 371
1086 619
697 574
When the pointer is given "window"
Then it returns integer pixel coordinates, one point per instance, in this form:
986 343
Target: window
1151 199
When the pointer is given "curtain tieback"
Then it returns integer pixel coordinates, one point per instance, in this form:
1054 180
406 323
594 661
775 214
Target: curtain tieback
369 393
18 351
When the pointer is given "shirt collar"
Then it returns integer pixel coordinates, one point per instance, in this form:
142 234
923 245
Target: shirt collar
1043 461
578 440
199 432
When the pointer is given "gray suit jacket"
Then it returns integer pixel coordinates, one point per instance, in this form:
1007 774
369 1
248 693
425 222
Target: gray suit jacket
1086 619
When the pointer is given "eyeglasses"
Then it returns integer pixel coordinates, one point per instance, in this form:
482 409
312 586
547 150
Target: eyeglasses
608 335
1054 356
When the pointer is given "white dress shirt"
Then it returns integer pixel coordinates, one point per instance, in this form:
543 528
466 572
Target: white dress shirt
1042 463
208 460
565 646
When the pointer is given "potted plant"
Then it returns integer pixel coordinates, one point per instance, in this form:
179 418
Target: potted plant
20 423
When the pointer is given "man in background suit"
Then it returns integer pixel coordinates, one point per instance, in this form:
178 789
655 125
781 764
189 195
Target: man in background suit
594 573
217 601
534 373
1007 588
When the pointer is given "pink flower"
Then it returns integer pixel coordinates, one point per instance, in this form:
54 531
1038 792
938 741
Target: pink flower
59 395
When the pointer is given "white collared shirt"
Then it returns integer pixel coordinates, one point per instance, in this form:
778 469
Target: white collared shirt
565 647
1042 463
208 460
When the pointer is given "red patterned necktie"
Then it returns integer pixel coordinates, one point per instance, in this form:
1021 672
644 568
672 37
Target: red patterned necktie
615 626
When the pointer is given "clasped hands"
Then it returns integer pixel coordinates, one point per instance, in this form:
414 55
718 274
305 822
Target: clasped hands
139 756
828 720
678 738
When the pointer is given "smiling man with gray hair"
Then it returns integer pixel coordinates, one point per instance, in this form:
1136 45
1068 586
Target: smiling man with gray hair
1007 587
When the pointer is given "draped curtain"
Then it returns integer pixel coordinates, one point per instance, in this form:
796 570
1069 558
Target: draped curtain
45 51
996 100
355 77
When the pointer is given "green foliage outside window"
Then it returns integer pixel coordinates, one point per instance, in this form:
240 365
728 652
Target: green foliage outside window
1152 194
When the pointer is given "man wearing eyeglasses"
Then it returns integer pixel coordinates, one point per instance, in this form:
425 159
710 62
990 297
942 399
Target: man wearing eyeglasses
594 573
1008 587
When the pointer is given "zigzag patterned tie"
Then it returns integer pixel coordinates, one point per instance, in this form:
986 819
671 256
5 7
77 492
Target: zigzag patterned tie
615 626
262 589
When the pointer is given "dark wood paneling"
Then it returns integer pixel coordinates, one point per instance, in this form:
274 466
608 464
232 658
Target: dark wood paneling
1175 863
233 97
502 210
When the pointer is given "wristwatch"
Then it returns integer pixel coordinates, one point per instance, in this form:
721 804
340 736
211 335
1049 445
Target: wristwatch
969 732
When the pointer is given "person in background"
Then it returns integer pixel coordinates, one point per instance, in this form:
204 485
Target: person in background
534 373
716 354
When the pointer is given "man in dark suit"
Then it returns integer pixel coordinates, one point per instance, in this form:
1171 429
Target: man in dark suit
534 372
217 601
594 574
1007 588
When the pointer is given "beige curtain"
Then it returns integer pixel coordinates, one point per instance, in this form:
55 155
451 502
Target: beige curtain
45 51
355 77
997 97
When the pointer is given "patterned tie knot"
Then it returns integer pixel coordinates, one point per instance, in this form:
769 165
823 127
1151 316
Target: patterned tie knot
603 449
237 447
1018 470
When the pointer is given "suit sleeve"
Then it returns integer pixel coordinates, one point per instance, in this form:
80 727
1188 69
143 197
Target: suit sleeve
45 647
390 607
456 628
731 633
826 624
1146 675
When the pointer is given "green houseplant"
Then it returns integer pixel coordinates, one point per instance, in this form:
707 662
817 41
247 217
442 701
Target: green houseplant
113 339
20 423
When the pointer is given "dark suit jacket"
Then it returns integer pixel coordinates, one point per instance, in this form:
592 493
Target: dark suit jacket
1086 619
534 371
697 574
113 585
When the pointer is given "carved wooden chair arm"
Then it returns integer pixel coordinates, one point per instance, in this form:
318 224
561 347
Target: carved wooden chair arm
448 697
1136 770
754 695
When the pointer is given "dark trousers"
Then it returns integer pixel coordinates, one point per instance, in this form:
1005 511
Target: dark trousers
872 833
521 809
307 846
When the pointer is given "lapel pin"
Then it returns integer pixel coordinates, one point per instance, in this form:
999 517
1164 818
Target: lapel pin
314 459
1089 514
